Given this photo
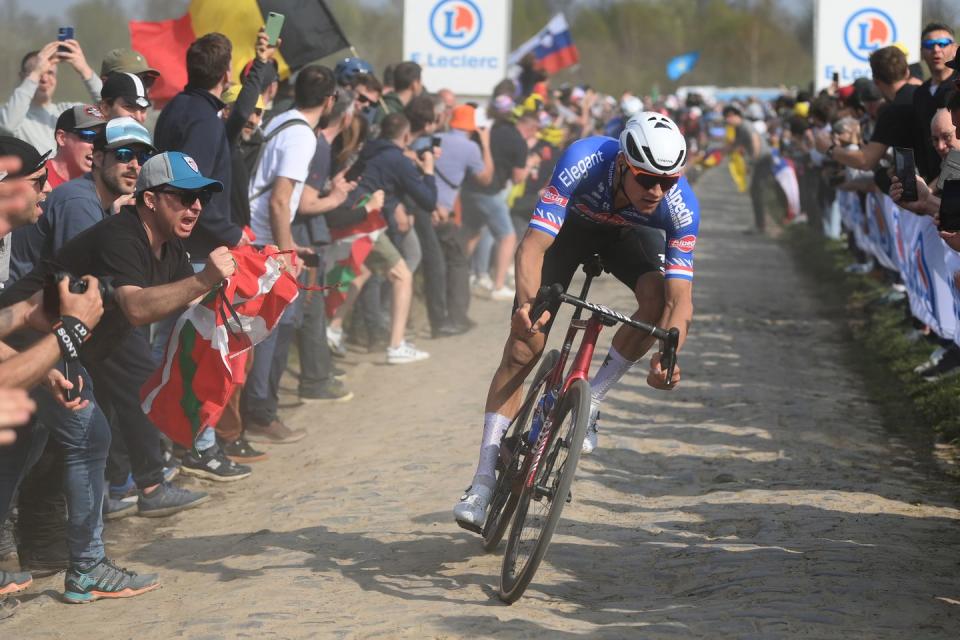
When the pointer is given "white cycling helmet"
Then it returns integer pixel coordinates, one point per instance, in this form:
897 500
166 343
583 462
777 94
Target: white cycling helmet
652 143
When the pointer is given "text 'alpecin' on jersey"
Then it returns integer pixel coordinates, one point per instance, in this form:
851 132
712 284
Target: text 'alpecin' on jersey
582 184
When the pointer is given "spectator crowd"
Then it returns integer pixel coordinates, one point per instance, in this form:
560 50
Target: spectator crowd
391 204
383 198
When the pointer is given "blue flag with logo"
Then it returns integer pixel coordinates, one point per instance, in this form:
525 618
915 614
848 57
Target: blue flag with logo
682 65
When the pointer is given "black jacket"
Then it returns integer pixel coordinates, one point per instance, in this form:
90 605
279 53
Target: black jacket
190 124
924 106
388 169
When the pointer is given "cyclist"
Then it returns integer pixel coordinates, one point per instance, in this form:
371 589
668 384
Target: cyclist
611 198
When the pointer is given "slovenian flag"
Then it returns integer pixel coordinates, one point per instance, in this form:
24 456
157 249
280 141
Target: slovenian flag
309 33
553 46
682 65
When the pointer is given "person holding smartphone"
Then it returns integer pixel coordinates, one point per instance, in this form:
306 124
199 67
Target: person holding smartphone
30 113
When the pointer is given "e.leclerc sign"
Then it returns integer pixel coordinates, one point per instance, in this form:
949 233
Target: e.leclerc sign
461 44
847 31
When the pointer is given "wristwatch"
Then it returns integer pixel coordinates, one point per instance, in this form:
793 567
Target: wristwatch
829 151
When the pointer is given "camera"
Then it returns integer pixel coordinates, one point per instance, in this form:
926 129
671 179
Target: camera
423 144
51 291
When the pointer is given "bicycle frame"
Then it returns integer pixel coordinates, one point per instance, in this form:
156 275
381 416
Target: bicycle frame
579 371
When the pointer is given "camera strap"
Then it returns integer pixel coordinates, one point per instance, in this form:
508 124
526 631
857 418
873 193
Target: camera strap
70 333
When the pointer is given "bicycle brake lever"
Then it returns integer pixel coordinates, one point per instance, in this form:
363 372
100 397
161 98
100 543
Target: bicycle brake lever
669 358
546 296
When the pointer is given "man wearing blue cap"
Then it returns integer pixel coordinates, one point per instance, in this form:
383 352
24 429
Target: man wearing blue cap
141 250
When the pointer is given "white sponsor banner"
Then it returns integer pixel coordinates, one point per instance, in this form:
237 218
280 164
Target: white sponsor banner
461 44
846 32
952 263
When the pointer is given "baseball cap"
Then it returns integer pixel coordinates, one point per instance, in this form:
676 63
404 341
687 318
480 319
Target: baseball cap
464 117
175 169
81 116
123 131
125 85
230 96
30 159
126 60
866 91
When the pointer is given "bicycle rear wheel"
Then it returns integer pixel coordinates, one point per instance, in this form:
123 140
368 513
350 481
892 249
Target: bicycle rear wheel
505 494
539 507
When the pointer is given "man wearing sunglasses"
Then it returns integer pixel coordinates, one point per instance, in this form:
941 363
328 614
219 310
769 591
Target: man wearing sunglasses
612 198
938 49
77 128
118 150
141 249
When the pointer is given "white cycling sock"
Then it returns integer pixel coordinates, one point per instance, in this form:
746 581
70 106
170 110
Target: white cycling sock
494 426
609 373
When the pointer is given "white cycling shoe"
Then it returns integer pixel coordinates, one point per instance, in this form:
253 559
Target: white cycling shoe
590 439
472 508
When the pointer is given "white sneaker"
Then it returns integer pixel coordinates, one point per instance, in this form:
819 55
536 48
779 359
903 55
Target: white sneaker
472 508
482 287
503 294
590 439
932 361
336 342
405 354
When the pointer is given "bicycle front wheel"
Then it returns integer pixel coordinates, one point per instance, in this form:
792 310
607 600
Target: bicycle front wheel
505 495
540 505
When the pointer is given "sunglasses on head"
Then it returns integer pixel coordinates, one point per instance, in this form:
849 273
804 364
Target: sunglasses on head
85 135
125 154
648 181
943 43
187 198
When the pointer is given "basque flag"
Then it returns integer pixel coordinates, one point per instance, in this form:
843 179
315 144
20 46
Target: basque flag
553 46
309 33
682 65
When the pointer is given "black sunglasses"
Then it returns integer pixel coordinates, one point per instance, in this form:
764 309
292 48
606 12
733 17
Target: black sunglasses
364 99
40 181
187 198
648 181
125 154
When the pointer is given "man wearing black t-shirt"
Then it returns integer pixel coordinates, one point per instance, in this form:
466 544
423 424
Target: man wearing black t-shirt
896 122
937 48
141 250
487 205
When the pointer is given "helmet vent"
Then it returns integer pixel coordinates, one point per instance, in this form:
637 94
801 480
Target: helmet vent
661 125
633 150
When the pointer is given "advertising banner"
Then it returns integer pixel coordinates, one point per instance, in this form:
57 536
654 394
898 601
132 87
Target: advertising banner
846 32
462 45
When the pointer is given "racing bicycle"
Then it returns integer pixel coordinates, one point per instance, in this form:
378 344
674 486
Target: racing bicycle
541 447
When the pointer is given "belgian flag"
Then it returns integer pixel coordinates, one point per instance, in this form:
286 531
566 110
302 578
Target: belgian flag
310 32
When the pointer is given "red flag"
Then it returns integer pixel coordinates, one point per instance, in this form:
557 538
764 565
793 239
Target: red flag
164 45
205 356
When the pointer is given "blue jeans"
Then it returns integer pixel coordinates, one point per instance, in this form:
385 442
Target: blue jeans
258 404
85 438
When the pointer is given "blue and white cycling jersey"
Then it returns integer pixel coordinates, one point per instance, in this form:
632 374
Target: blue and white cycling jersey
582 185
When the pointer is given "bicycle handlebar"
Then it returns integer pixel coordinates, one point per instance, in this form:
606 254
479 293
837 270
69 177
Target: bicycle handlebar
549 296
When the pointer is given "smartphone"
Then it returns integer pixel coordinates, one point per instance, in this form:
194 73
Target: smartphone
273 27
950 206
65 33
836 77
906 171
436 141
355 172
